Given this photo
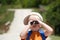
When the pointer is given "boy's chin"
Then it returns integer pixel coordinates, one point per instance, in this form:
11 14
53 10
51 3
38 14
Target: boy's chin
35 30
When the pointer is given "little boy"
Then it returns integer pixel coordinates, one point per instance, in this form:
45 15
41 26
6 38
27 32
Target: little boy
38 29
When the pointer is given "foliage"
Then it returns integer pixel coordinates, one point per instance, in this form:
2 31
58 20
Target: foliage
53 15
5 15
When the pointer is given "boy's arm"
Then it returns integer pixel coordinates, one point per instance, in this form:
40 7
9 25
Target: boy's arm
24 33
48 29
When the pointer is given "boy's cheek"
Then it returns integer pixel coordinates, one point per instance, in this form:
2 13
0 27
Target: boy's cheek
39 25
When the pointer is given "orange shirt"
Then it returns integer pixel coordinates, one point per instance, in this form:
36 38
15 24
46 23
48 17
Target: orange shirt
35 36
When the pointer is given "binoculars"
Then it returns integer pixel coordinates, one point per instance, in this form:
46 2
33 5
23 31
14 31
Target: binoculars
34 22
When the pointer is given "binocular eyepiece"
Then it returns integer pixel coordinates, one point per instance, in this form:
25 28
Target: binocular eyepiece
34 22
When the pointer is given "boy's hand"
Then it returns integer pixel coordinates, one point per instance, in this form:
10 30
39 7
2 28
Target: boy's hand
29 22
40 22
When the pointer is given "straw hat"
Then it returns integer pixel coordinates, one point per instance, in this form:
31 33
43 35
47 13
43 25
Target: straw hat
26 19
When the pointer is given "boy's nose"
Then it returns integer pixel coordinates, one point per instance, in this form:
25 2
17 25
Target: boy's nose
34 25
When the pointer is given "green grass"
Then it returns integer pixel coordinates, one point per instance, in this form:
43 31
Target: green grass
53 37
5 16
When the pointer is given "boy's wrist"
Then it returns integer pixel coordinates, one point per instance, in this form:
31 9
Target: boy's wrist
40 22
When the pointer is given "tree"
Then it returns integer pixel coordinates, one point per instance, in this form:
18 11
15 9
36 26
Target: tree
53 15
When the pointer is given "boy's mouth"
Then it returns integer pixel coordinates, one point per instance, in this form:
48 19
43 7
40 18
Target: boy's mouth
34 26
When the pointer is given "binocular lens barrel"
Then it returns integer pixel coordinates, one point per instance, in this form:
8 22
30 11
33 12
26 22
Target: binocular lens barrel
34 22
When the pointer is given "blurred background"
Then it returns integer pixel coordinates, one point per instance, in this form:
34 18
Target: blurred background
49 9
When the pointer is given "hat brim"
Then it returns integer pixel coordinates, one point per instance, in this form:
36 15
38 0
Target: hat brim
26 20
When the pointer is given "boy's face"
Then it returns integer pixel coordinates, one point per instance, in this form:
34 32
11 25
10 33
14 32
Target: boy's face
37 26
